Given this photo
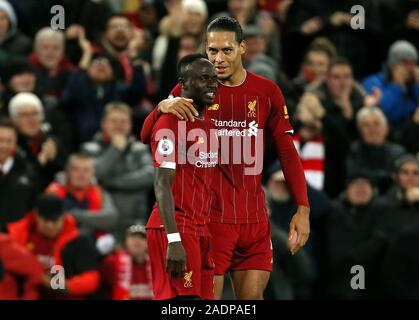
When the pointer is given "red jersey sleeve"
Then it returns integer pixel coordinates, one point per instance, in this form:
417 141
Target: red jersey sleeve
153 117
164 142
278 122
280 127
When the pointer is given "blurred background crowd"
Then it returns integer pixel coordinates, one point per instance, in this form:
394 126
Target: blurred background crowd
72 103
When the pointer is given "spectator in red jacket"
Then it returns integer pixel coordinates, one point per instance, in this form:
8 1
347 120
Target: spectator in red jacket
126 273
52 236
86 201
16 264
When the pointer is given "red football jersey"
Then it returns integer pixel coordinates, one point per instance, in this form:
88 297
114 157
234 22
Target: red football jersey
243 115
141 287
191 148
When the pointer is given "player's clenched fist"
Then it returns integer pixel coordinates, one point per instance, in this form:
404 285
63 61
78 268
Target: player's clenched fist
176 260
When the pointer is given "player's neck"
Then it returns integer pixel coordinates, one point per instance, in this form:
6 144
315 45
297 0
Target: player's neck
236 79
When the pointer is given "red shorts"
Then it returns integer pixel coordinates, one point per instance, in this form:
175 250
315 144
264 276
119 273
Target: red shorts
199 276
241 246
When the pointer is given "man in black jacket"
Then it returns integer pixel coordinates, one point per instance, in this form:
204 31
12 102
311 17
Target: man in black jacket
17 188
353 237
373 152
39 146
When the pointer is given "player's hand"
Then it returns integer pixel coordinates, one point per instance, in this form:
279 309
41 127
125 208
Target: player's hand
176 260
299 228
181 107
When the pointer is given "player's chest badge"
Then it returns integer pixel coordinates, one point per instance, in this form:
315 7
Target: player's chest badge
251 105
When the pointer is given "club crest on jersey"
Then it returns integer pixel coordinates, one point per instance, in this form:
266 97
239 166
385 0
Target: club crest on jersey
165 147
214 107
252 109
187 279
200 140
285 112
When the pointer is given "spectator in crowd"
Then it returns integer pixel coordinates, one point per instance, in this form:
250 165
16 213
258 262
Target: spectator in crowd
52 236
247 13
292 274
340 98
373 152
353 238
282 208
126 274
88 91
122 165
150 22
309 139
340 94
402 200
410 134
186 20
12 41
398 83
254 58
333 19
40 147
122 42
88 203
401 21
52 67
17 185
17 265
17 76
315 64
399 276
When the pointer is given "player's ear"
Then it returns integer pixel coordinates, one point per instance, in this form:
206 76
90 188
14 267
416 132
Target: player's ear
181 81
242 47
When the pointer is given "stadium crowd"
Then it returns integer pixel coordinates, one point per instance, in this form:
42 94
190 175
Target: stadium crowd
72 104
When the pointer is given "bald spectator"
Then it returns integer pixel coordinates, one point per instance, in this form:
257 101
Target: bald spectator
122 165
373 152
40 147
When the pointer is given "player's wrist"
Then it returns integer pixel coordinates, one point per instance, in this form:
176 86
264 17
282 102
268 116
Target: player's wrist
173 237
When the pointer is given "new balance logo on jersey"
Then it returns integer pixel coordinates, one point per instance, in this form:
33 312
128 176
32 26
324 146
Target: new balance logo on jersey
253 129
214 107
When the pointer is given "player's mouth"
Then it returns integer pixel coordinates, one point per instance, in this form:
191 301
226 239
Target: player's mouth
220 70
210 95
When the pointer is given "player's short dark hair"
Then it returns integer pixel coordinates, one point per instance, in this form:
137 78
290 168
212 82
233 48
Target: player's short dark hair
339 61
226 24
7 123
185 62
